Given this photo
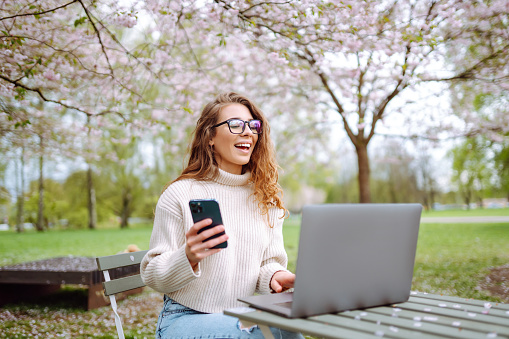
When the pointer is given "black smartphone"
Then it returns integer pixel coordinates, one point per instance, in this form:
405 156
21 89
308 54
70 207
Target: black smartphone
207 208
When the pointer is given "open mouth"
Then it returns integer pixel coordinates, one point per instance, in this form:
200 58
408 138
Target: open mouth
244 147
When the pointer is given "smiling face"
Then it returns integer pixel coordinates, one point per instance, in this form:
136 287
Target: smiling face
232 151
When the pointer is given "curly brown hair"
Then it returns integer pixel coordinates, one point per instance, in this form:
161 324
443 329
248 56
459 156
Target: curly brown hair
262 165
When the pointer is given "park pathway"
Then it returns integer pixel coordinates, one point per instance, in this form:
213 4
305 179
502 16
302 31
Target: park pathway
464 220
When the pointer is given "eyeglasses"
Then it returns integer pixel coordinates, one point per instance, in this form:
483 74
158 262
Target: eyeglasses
238 126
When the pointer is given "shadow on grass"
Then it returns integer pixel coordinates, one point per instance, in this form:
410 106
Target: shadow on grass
71 298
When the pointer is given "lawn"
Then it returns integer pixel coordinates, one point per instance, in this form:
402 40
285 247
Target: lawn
452 259
32 245
479 212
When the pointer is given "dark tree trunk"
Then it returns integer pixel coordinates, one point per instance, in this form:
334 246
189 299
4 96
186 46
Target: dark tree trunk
92 214
40 210
126 210
363 163
20 218
92 211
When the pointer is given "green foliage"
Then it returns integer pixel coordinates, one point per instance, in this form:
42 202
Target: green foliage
80 21
5 196
55 204
471 174
76 192
346 192
502 168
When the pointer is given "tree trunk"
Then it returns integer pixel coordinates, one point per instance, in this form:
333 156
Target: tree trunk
125 213
20 218
363 163
467 198
40 211
432 196
92 214
92 211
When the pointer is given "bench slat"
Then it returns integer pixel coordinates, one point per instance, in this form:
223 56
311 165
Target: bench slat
120 260
122 284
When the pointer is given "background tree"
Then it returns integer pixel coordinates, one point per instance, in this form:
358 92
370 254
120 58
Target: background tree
471 173
395 178
502 167
363 55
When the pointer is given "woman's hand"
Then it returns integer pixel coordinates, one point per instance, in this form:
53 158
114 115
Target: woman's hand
281 281
196 249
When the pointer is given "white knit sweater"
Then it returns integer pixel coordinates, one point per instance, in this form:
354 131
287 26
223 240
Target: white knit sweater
255 251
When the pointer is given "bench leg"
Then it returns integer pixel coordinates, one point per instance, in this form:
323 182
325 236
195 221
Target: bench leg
96 297
266 331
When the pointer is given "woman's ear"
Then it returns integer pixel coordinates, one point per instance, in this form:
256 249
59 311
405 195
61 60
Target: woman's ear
211 142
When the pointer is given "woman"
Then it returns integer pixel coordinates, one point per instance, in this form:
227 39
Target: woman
232 161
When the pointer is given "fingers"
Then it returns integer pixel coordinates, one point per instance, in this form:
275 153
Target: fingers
282 280
198 226
276 286
194 238
197 247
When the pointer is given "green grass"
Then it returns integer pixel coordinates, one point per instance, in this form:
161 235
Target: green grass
32 245
468 213
451 259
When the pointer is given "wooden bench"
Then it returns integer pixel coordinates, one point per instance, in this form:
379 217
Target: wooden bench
122 284
29 280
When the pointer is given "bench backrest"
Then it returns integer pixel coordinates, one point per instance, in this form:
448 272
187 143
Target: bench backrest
120 260
112 287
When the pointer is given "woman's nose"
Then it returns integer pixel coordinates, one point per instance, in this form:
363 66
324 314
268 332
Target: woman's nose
247 131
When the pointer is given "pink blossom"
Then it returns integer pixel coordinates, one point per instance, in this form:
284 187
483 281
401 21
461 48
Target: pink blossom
128 20
50 75
295 72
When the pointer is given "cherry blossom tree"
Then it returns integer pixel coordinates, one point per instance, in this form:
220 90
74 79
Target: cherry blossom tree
359 58
153 64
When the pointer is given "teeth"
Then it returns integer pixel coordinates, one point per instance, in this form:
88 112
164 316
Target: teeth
243 145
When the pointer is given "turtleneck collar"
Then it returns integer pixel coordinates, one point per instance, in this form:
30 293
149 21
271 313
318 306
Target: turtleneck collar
230 179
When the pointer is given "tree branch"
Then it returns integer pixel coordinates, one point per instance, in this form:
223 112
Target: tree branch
98 36
39 13
43 97
468 73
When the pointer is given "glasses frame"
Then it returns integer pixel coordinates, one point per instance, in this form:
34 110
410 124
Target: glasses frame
246 123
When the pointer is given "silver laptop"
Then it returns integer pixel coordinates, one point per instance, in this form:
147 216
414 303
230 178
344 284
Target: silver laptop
351 256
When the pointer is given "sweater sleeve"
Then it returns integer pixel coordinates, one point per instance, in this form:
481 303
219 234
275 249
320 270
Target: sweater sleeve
274 259
165 267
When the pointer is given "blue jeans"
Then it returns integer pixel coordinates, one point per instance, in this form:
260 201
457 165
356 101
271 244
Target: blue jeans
178 321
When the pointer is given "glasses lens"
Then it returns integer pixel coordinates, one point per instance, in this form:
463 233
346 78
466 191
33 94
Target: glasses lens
255 126
236 126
